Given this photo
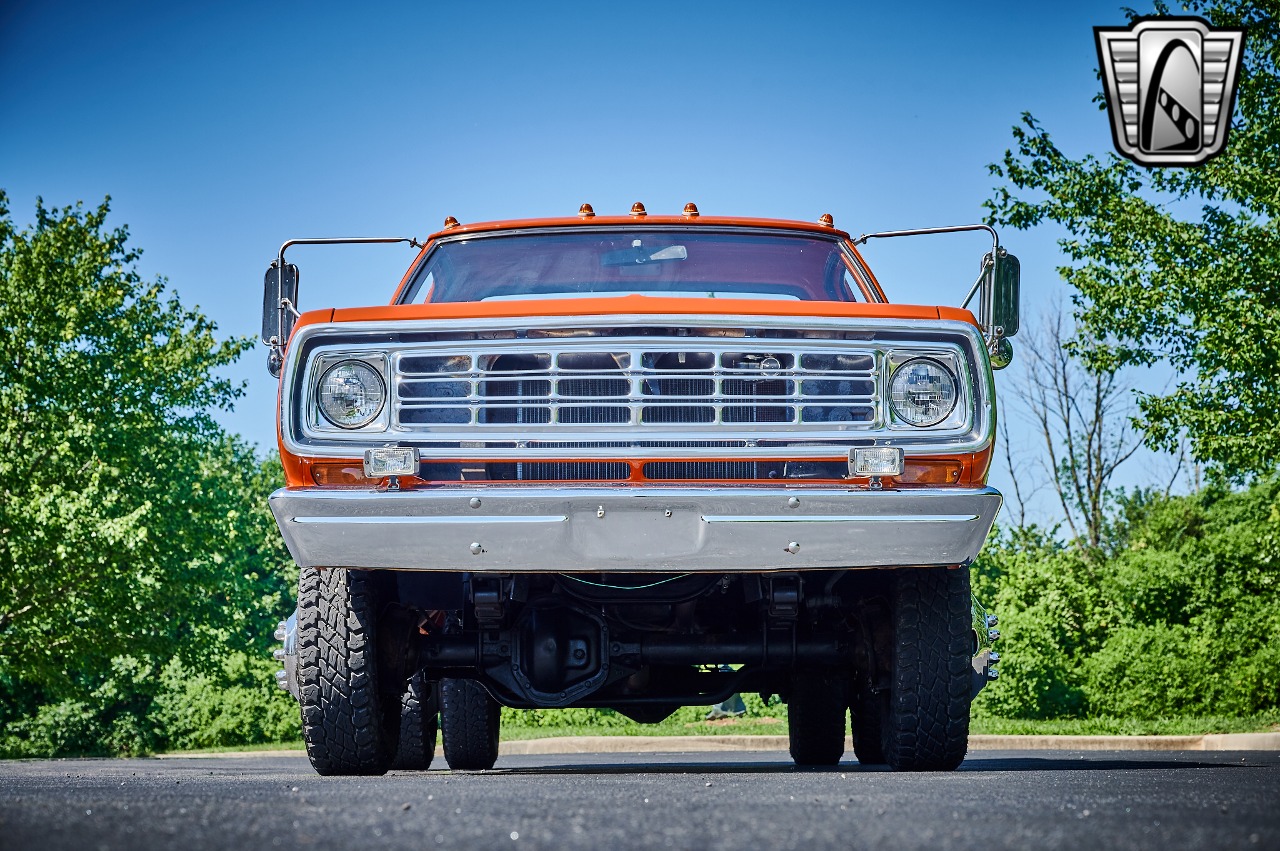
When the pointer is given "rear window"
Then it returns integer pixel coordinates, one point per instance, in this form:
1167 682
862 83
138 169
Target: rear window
648 262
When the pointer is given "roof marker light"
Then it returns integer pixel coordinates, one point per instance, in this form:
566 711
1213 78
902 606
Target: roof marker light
826 219
691 210
585 212
637 211
450 222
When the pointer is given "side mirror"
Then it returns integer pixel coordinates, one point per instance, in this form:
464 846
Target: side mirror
1004 302
1002 353
279 310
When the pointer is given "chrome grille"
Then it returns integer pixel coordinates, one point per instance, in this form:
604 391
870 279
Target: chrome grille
715 470
563 471
571 386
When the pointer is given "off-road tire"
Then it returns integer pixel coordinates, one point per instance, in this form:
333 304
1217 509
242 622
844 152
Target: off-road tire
470 722
865 724
349 724
925 720
419 710
815 719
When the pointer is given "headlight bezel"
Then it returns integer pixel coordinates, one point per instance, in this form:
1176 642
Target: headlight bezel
952 417
319 420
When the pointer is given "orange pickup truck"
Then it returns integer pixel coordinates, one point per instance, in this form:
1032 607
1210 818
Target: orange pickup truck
637 462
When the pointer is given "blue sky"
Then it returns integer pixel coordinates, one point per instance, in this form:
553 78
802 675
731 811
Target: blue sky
223 130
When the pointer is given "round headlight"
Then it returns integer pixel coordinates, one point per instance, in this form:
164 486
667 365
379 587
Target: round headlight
352 394
922 392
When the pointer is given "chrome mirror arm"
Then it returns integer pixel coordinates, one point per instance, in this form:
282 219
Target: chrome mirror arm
284 305
986 280
346 240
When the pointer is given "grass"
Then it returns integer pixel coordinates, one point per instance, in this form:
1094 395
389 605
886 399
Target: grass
775 724
1187 726
724 727
761 719
772 721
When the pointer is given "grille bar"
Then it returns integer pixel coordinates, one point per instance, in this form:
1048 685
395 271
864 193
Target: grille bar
560 386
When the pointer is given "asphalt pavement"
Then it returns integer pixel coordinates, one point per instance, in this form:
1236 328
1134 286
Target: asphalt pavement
742 801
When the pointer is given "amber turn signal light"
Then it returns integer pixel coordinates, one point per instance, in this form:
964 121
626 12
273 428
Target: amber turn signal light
930 473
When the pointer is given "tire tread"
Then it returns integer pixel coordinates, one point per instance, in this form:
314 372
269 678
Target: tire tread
418 725
926 722
343 724
470 722
816 719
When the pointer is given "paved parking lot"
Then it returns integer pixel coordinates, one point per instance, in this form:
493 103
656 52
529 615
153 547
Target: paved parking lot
732 800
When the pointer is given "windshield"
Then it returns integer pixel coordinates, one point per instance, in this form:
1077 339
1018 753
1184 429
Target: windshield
704 264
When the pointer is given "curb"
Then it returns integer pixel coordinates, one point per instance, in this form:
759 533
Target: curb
1242 742
704 744
711 744
1087 743
646 744
229 754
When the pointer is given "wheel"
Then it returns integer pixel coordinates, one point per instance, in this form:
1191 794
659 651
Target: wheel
815 719
469 721
925 711
419 707
864 721
349 723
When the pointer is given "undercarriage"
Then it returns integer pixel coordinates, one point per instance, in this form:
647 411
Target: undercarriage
894 650
640 644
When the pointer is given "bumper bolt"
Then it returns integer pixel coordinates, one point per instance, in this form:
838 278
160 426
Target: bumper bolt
474 502
476 549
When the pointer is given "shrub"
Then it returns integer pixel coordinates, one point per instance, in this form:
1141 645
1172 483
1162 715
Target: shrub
239 705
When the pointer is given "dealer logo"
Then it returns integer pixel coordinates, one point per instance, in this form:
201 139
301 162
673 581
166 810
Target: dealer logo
1171 88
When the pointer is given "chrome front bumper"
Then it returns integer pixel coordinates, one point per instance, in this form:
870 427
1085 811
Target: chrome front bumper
633 529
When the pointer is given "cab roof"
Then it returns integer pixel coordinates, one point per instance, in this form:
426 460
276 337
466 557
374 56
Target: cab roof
641 219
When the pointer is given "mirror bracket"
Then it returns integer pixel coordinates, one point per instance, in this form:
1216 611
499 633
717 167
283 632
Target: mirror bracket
275 358
1001 351
996 287
280 294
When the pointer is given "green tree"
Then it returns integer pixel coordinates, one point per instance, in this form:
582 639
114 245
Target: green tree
1047 596
132 525
1176 614
1192 607
1177 264
1080 417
